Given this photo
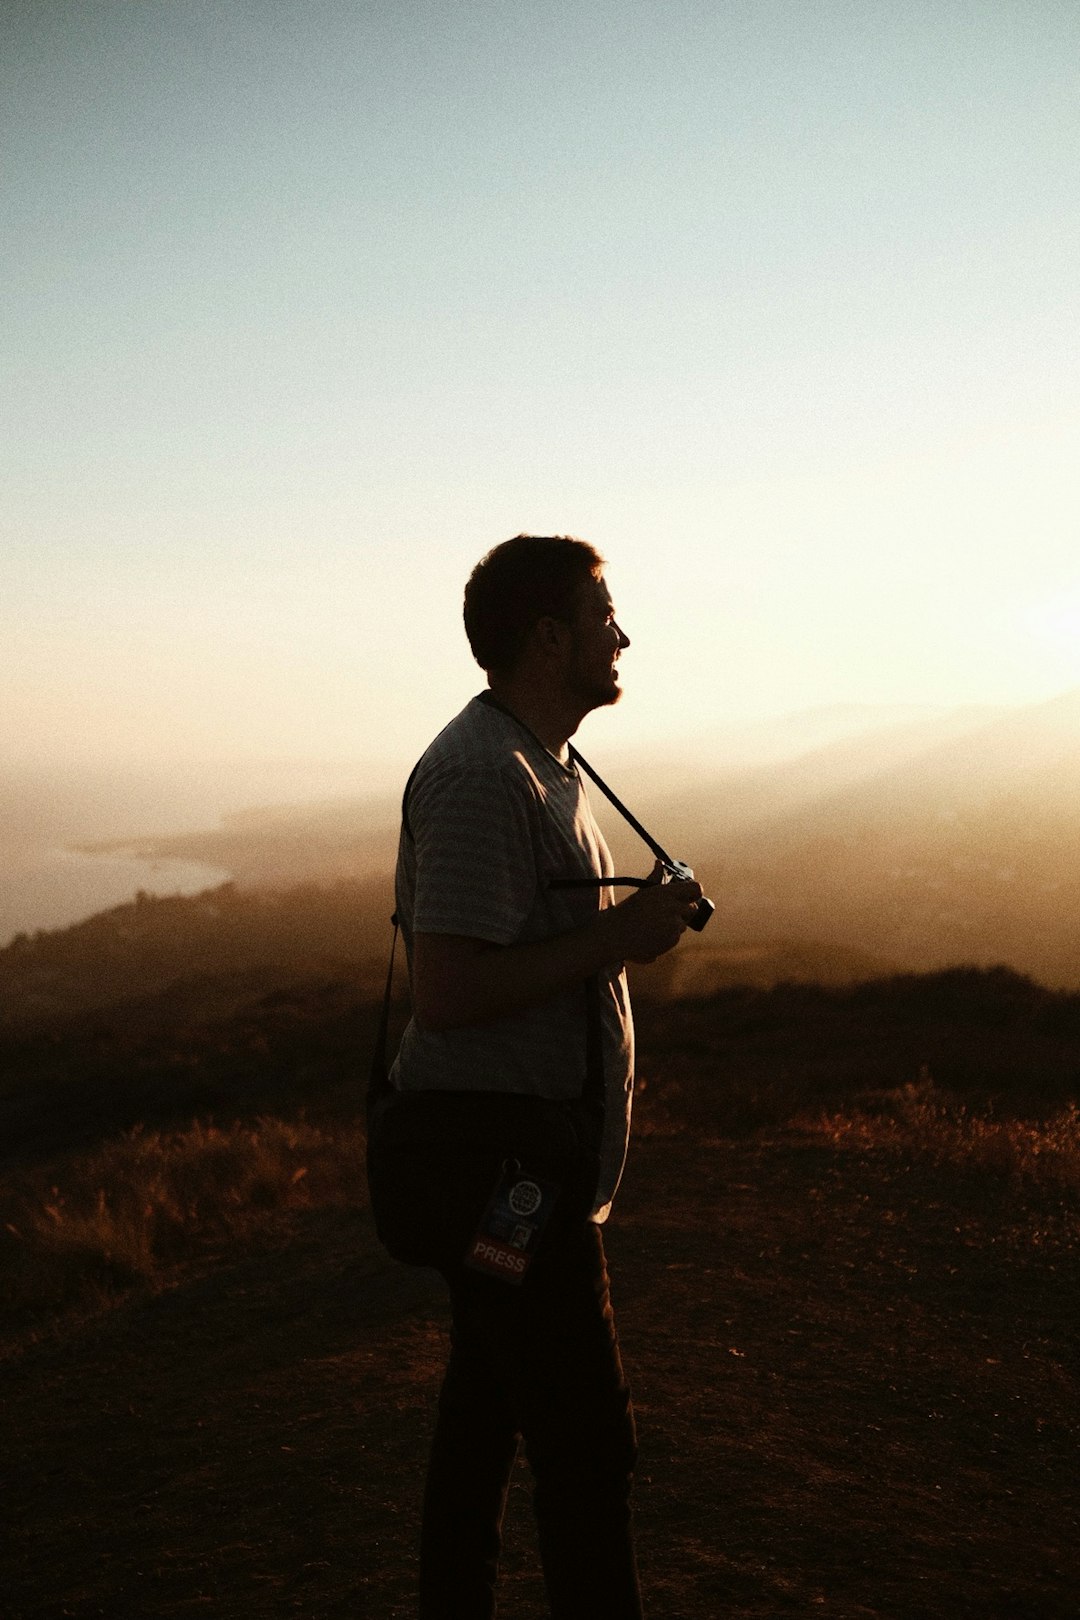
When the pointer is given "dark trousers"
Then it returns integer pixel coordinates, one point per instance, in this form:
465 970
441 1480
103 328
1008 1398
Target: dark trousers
538 1361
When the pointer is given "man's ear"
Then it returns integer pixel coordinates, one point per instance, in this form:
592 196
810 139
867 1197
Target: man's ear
551 636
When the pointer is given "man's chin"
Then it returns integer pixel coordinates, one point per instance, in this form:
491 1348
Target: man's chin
605 696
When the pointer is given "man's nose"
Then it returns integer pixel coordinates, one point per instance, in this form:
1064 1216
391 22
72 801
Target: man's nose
624 639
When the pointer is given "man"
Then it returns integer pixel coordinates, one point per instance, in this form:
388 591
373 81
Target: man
500 946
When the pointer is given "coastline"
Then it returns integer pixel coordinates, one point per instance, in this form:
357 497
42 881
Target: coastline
53 887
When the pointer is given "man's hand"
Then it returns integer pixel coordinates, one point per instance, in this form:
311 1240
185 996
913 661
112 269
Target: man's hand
654 918
458 981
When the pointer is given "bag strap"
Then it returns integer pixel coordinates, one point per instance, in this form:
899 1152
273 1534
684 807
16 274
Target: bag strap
379 1077
405 803
594 1090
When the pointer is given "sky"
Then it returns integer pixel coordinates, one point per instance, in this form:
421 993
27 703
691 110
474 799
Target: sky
307 306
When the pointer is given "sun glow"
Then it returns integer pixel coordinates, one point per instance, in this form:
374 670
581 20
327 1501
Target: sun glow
803 365
1054 627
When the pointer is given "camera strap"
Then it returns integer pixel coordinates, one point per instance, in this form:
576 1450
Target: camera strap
379 1083
627 815
579 760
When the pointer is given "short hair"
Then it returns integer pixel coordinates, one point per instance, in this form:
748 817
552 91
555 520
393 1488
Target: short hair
526 579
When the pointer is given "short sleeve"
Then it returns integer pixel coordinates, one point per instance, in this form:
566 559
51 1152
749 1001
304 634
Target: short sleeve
476 866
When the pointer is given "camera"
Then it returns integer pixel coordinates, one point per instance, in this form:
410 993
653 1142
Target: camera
678 871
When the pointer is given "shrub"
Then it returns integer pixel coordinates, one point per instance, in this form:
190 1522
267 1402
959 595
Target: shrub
122 1215
921 1120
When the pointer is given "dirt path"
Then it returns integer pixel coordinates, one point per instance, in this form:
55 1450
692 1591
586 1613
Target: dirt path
856 1393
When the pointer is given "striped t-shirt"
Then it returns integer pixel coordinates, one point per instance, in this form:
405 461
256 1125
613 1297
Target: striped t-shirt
493 819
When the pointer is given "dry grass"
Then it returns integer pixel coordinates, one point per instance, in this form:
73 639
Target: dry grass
919 1120
150 1199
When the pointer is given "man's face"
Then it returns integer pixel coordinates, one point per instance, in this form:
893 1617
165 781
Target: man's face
596 645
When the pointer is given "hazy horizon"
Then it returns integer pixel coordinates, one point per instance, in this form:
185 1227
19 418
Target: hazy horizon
907 835
51 812
307 309
76 800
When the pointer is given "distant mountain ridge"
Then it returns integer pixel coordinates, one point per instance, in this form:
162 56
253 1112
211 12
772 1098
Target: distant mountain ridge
917 838
966 849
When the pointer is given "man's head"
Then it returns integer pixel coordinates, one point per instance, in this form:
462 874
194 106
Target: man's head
543 597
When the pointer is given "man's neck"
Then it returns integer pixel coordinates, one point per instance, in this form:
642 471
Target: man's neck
551 717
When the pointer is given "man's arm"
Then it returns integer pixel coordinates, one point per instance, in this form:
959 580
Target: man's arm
458 981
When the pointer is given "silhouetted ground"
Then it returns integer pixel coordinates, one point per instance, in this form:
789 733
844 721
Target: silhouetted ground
855 1380
855 1369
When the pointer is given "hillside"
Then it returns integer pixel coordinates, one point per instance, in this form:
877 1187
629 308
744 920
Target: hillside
851 1374
285 844
845 1287
845 1258
903 841
142 948
286 1026
949 841
341 929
